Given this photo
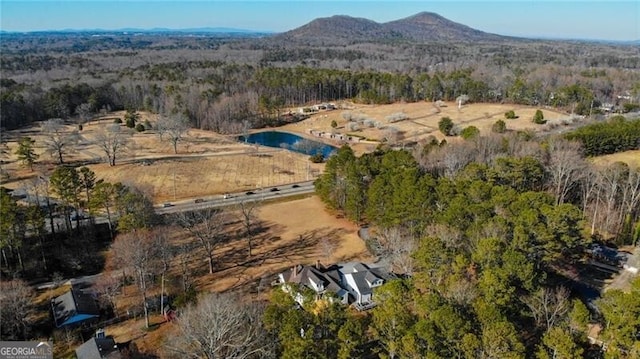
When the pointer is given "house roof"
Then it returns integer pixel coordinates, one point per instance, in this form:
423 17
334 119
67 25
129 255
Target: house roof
361 285
334 278
98 348
73 307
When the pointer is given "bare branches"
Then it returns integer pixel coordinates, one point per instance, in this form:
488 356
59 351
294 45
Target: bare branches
549 306
112 140
247 209
139 251
207 227
15 301
175 126
221 326
399 246
57 140
565 167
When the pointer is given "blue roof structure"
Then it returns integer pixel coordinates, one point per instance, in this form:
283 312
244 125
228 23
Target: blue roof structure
73 308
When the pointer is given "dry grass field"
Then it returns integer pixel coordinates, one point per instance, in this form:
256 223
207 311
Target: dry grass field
206 163
422 119
631 158
210 164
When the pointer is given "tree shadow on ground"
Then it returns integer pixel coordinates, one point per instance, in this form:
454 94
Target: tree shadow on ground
271 250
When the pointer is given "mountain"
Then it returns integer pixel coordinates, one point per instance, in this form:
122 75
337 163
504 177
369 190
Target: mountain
427 26
422 27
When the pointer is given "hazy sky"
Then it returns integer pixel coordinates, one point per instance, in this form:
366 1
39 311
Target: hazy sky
607 20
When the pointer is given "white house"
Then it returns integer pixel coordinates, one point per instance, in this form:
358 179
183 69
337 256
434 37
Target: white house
351 282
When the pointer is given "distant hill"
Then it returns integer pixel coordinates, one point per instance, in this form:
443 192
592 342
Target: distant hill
199 30
422 27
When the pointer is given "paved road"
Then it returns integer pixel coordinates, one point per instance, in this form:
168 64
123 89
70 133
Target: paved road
235 198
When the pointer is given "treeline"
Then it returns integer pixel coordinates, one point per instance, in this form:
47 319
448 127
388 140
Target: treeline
60 230
228 97
22 104
362 190
616 135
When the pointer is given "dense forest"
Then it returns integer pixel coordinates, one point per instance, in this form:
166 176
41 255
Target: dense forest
490 233
224 83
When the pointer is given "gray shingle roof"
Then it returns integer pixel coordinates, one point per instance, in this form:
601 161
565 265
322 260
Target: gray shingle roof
74 307
98 348
333 278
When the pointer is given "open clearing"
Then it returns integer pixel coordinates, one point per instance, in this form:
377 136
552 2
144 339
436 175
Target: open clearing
422 119
209 164
631 158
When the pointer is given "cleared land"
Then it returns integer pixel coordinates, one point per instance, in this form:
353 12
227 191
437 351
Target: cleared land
422 119
631 158
209 164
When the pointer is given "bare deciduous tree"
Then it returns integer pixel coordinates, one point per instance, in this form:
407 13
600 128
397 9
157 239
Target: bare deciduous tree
630 196
112 140
165 254
16 303
108 287
207 226
220 326
57 140
185 253
399 246
565 167
138 250
611 182
247 209
175 126
84 112
548 306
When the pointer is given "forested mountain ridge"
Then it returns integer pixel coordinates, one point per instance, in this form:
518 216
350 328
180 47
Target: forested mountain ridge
422 27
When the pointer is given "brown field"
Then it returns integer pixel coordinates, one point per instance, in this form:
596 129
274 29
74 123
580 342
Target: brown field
210 164
423 119
631 158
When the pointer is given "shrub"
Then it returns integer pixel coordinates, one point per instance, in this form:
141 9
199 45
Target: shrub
131 123
499 127
630 107
396 117
140 127
117 120
445 125
470 132
334 124
317 158
510 115
538 118
185 298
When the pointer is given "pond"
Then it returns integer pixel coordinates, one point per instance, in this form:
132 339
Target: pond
290 142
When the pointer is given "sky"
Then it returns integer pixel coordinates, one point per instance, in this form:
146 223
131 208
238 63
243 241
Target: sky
572 19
